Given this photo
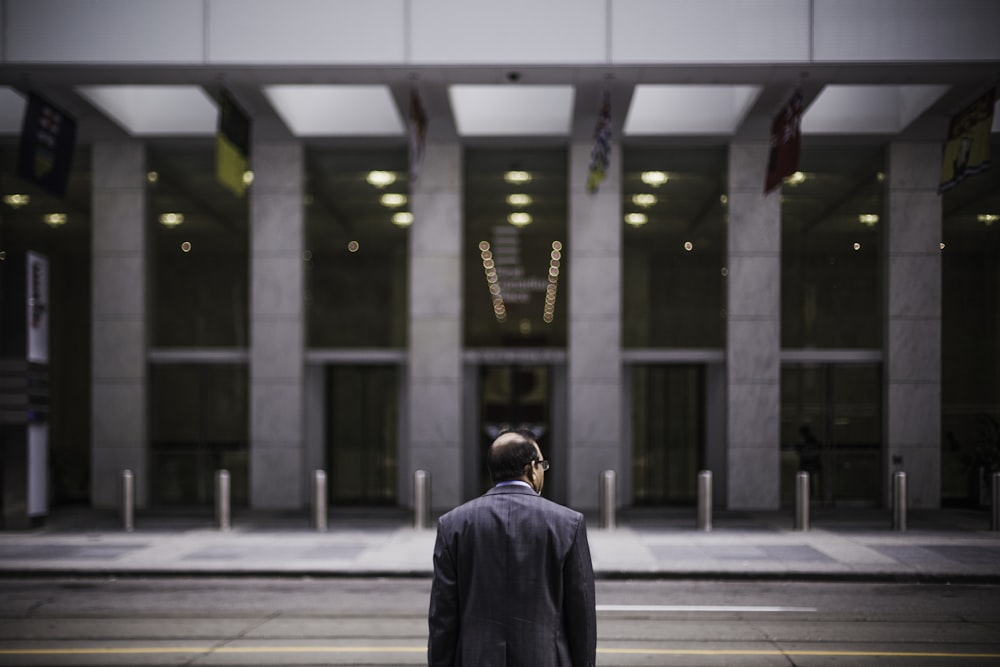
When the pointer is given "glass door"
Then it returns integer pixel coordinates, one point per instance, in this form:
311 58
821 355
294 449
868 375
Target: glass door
513 396
668 432
362 427
831 417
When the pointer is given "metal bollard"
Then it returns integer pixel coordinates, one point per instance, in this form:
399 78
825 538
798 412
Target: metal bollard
899 501
222 500
319 501
609 494
421 498
705 500
802 501
995 524
128 500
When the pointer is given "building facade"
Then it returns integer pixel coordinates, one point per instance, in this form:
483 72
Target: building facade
369 315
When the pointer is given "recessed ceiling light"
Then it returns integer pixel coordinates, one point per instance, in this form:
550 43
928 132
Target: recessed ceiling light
988 218
380 179
644 200
393 199
152 177
795 179
519 219
868 219
16 200
54 219
171 219
517 177
636 219
654 178
402 219
519 200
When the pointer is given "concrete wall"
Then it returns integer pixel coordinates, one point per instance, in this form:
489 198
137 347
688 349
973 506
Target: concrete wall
555 32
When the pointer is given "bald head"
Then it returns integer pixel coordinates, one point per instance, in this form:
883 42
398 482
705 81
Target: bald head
509 454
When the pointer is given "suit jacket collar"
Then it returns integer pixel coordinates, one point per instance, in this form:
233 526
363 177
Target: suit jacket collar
511 488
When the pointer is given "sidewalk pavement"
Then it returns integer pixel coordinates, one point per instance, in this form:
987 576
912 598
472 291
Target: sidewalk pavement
860 545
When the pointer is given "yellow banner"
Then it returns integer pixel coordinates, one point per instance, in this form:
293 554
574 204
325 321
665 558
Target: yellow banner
967 151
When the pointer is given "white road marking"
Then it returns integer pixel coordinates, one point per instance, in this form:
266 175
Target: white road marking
701 608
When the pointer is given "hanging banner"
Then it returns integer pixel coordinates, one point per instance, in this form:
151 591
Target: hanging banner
967 151
48 136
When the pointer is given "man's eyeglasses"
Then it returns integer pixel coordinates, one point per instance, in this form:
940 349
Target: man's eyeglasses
543 464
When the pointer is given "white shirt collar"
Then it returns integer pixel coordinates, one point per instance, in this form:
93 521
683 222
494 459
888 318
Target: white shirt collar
513 482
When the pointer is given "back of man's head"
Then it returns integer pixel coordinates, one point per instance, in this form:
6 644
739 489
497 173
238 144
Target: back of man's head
509 453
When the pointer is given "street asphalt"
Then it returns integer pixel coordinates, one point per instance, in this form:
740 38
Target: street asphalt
954 545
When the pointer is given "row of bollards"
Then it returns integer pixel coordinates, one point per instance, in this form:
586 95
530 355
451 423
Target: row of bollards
606 512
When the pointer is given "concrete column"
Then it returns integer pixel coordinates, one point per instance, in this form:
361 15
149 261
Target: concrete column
119 424
278 475
913 320
753 332
594 269
435 328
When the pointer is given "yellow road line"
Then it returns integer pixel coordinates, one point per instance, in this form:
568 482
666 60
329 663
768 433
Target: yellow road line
141 650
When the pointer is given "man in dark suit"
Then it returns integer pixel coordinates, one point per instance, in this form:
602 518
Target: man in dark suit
513 580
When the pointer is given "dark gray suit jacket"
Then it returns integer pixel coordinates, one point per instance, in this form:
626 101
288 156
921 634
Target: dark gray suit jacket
513 585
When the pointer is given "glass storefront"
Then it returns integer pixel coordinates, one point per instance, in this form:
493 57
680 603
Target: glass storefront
831 248
970 323
674 248
673 302
198 249
513 248
831 299
356 230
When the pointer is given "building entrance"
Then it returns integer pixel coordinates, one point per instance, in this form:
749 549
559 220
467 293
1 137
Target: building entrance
362 434
668 432
831 416
511 396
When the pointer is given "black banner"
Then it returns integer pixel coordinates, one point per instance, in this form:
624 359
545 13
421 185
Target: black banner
48 137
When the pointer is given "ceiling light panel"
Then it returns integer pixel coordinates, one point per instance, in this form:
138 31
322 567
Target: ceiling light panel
868 109
666 110
156 110
512 110
336 111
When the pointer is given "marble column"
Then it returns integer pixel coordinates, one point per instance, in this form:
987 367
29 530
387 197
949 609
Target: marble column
434 373
278 479
912 369
593 254
119 424
753 332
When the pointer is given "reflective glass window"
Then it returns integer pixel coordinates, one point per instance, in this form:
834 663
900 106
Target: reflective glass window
831 427
198 425
674 249
513 252
58 228
357 216
970 328
199 249
831 239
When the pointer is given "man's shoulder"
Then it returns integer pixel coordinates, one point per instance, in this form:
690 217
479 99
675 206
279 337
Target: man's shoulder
489 499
